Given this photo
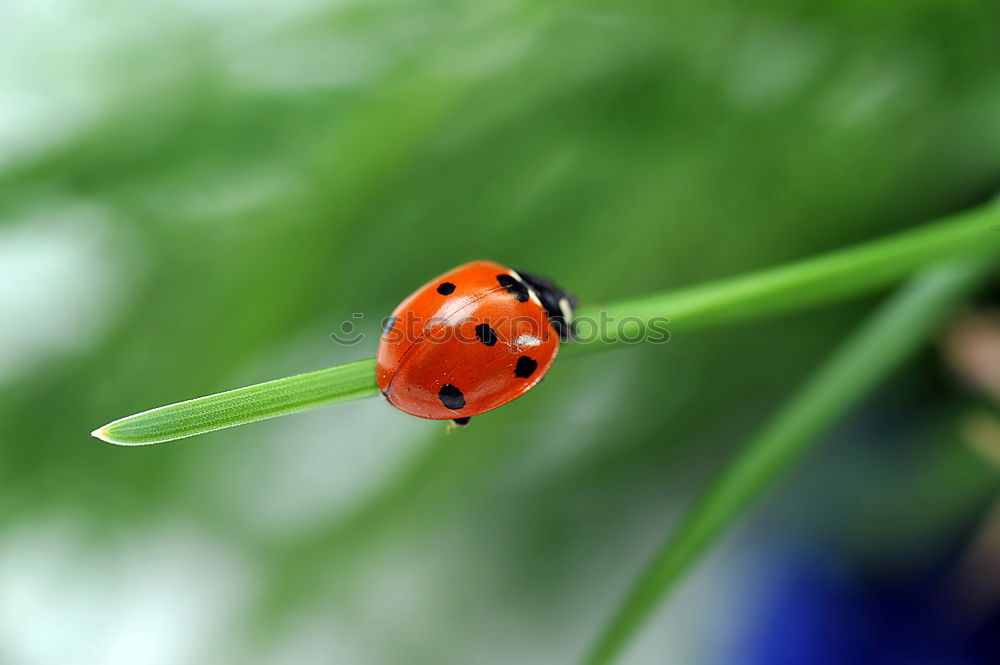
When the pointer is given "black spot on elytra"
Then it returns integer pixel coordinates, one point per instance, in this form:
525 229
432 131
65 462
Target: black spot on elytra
388 323
525 367
486 334
451 397
462 422
514 287
446 288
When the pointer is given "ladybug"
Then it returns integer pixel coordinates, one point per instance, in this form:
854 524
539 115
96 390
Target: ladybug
471 340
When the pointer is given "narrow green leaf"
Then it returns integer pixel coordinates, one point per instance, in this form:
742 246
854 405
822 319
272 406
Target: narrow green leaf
244 405
834 276
898 329
810 282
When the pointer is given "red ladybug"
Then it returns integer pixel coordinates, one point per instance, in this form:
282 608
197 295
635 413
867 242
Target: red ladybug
471 340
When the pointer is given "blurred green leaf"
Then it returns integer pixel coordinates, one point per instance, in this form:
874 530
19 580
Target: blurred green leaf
897 330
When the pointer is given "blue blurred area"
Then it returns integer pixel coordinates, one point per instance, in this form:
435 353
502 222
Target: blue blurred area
819 610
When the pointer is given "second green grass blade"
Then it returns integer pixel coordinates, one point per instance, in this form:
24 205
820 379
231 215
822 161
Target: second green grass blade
900 327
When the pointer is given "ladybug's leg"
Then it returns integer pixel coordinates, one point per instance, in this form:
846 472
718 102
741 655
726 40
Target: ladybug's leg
462 422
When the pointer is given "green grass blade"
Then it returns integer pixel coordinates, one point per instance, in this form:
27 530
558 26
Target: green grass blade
805 283
244 405
834 276
898 329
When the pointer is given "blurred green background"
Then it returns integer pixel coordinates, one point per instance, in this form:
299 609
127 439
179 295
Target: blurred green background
194 195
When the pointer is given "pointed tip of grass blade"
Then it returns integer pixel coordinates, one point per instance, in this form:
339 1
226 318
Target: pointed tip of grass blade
117 431
102 434
260 401
107 434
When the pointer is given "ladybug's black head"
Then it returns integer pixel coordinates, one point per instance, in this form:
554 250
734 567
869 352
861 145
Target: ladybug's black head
558 302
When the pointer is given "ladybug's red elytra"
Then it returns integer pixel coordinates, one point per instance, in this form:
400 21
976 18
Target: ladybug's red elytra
471 340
